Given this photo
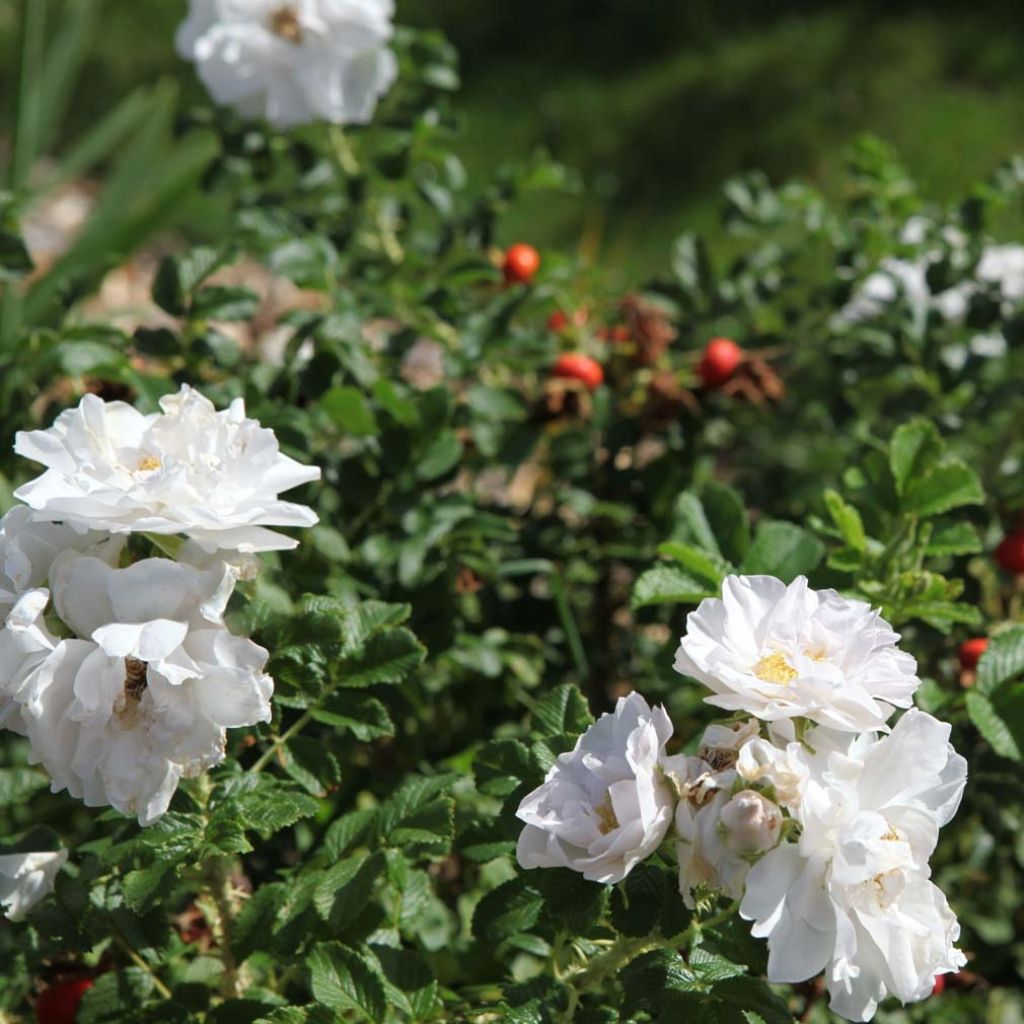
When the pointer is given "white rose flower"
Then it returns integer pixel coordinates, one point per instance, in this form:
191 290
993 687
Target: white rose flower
27 878
780 652
213 476
142 695
854 895
28 546
293 61
605 806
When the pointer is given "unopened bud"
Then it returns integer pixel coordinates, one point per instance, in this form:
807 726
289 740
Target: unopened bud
751 823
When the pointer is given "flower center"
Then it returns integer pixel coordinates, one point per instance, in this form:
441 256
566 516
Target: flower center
148 463
284 22
134 679
887 887
135 683
606 815
893 835
773 668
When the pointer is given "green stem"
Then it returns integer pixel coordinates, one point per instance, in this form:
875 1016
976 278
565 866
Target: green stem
279 741
343 151
139 962
32 23
572 632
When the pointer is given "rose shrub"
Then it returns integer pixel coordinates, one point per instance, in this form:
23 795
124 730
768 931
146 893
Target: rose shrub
345 569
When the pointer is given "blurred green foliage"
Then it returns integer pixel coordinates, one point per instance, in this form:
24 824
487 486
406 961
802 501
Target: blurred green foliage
657 102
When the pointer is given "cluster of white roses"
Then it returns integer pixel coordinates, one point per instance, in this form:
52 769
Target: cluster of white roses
122 672
999 266
814 814
293 61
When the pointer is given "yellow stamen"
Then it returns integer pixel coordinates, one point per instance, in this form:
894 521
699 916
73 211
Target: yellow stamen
773 668
893 835
148 463
284 22
606 814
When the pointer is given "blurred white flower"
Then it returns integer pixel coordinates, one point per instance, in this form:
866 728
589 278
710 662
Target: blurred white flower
293 61
605 806
28 546
1001 266
780 652
27 878
140 697
853 896
214 476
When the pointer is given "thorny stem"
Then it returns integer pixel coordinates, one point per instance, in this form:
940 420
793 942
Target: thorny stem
221 907
217 871
625 951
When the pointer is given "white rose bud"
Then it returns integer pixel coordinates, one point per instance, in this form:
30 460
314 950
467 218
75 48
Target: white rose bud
752 823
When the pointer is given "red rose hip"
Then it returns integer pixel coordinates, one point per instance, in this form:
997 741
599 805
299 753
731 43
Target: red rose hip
970 653
1010 553
521 263
721 358
577 366
59 1003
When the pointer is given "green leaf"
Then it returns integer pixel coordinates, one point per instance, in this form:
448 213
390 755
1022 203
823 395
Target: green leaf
948 486
441 455
666 584
115 995
346 888
218 302
784 550
914 450
349 411
728 517
343 981
1003 660
954 539
710 569
408 979
140 887
512 907
564 709
364 716
993 727
387 658
847 519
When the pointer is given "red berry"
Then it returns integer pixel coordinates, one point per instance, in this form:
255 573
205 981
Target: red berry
970 651
1010 553
940 985
522 262
719 362
559 321
59 1003
577 366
